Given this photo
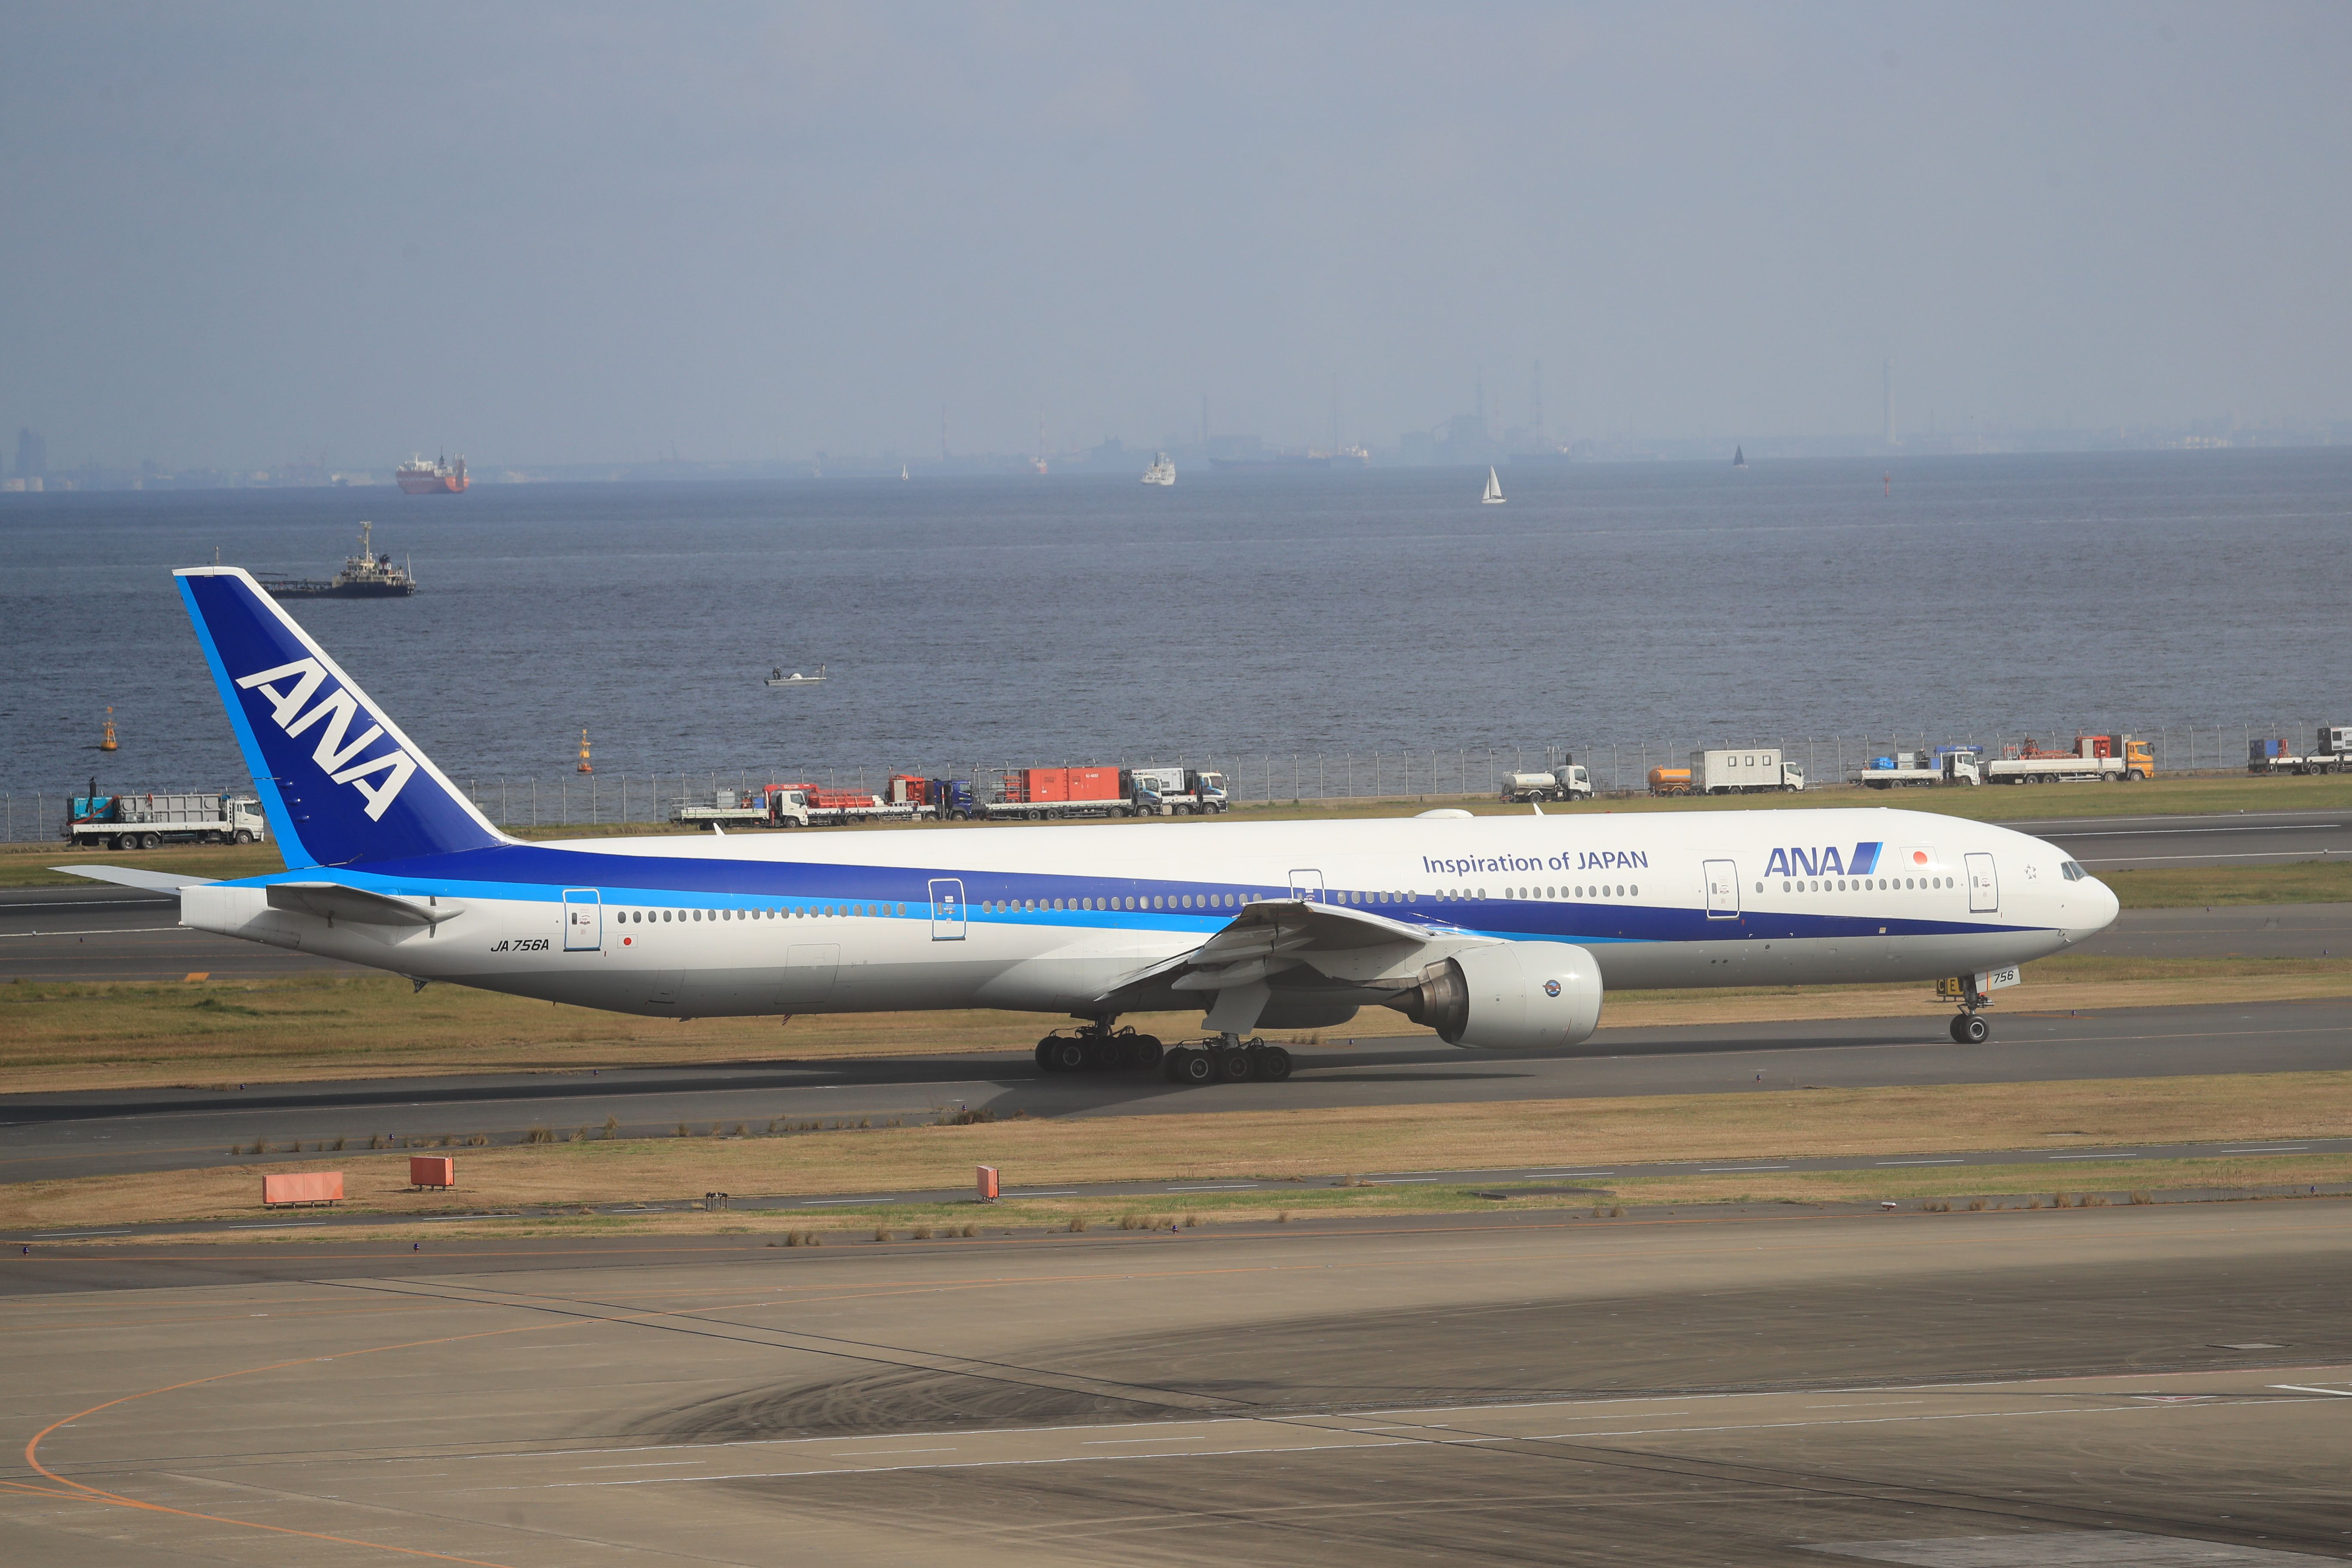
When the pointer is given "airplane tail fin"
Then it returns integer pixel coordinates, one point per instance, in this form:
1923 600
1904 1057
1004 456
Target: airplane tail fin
337 781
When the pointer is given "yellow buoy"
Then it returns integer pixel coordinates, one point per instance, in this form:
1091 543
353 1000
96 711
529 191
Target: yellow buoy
583 754
106 742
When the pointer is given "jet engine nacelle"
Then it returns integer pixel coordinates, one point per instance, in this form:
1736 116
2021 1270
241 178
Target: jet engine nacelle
1511 996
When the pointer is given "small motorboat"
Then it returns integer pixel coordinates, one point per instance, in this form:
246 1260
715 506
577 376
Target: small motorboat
777 677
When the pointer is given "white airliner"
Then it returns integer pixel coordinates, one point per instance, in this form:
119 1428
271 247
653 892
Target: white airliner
1501 932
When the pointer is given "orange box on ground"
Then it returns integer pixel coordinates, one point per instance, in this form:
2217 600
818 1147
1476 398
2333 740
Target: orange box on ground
432 1171
303 1187
987 1183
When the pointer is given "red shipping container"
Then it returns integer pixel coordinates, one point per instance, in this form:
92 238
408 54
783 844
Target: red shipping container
1049 783
987 1183
303 1187
432 1171
1093 783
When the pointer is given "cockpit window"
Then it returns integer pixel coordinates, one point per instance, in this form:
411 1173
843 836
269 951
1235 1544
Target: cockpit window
2072 871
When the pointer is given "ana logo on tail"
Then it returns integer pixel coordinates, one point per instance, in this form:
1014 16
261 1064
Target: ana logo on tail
334 714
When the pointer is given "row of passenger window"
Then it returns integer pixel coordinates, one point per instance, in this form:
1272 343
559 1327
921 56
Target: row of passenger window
1618 890
812 912
1859 884
1139 901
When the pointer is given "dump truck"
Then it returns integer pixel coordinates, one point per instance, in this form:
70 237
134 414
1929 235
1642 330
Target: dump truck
152 821
2120 758
1743 770
1568 781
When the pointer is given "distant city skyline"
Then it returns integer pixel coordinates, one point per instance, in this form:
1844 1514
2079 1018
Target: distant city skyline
261 233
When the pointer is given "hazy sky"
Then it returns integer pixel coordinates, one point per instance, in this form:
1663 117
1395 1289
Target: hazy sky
237 233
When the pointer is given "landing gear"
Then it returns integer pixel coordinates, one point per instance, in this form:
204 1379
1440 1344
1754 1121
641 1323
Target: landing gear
1227 1060
1098 1049
1971 1030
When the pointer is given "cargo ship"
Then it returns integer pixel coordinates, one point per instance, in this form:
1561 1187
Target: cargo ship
437 477
366 576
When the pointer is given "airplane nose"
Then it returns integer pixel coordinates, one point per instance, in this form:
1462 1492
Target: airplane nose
2100 907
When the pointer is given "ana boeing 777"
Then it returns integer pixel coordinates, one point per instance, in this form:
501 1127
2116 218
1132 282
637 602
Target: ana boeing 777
1501 932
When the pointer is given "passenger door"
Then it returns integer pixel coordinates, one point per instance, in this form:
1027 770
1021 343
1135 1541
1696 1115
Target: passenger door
1722 890
1308 885
1984 885
584 919
947 910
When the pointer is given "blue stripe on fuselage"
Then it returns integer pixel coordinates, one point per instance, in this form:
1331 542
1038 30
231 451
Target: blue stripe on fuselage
538 873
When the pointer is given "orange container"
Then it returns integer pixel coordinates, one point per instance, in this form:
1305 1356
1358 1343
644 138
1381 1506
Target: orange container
303 1187
432 1171
1093 783
987 1183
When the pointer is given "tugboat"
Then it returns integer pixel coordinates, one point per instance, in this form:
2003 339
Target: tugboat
1161 472
366 576
777 677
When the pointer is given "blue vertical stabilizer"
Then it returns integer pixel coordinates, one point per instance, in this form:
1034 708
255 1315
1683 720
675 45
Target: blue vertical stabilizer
338 780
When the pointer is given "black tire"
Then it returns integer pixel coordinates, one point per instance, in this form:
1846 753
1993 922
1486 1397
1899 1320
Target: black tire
126 841
1236 1067
1072 1056
151 841
1274 1063
1148 1053
1969 1029
245 835
1193 1066
1045 1057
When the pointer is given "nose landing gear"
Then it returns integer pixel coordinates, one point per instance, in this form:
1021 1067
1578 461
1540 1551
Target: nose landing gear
1971 1028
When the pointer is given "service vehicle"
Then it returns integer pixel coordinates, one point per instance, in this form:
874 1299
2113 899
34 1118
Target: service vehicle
726 808
1947 765
2331 752
811 805
2113 758
1048 794
150 821
1174 792
1745 770
1670 780
1568 781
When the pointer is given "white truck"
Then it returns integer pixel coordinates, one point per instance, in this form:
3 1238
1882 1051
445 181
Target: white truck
150 821
1567 781
1957 766
725 807
1747 770
2330 753
1174 792
2095 758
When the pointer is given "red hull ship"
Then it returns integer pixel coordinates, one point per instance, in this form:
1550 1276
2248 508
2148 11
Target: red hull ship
439 476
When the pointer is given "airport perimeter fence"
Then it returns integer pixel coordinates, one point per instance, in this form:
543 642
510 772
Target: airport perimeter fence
580 800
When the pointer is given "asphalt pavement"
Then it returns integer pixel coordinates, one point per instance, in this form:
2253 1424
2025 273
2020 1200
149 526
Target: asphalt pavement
91 1132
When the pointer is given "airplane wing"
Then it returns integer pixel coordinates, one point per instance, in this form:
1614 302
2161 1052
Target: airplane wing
131 877
1343 948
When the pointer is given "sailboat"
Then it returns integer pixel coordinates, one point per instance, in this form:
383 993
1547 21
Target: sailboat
1738 456
1494 496
902 470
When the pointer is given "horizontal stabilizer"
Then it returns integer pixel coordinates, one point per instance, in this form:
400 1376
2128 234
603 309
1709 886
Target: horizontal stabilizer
129 876
334 901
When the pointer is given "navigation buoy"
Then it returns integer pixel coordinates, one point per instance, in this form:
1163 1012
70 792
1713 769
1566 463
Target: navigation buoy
106 741
1887 479
583 754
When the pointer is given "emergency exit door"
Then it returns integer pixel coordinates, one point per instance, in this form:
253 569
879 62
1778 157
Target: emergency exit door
947 910
1306 885
584 919
1984 885
1722 890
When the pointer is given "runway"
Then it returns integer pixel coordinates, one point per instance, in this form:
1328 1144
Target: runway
2144 1385
90 1132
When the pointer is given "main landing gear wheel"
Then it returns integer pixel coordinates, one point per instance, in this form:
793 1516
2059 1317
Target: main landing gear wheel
1236 1067
1969 1029
1274 1063
1185 1065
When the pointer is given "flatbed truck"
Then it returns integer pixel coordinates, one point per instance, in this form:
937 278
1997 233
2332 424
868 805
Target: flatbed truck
1907 768
2330 753
2109 758
152 821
